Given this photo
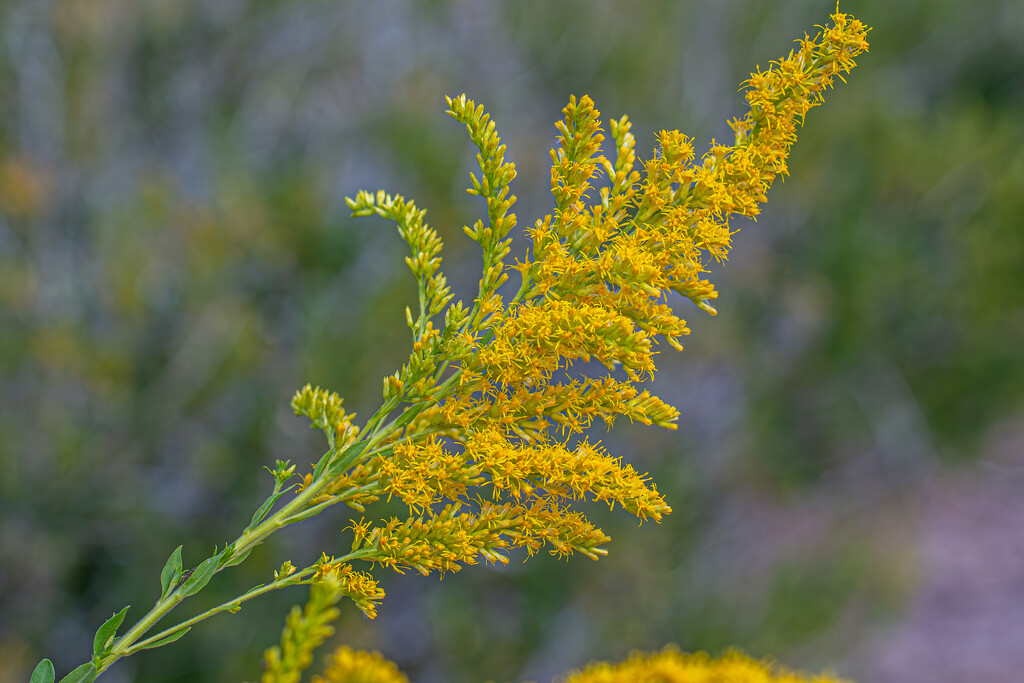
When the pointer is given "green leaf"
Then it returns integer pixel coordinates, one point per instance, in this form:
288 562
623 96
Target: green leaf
407 416
305 514
200 576
265 508
83 674
240 559
171 572
43 672
225 554
169 639
322 464
105 632
347 457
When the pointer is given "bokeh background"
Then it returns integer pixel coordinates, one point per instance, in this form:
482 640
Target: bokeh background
176 258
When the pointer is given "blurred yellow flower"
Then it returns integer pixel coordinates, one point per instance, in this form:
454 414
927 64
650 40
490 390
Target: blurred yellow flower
672 666
346 665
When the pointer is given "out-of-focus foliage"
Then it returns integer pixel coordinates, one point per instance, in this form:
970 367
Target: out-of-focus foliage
175 260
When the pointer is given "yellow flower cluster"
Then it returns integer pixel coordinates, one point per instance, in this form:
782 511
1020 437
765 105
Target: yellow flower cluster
673 666
342 579
357 666
647 237
356 487
480 433
421 474
323 408
546 335
445 540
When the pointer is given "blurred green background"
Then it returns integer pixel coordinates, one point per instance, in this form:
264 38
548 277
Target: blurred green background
176 259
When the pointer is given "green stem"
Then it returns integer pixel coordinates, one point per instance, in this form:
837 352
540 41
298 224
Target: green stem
161 608
243 544
225 606
252 538
293 579
314 510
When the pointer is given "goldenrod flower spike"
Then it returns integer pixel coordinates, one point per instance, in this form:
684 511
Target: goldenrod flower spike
493 187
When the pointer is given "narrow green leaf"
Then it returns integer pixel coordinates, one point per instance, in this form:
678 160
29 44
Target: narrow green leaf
224 554
347 457
267 504
169 639
83 674
240 559
262 512
200 576
406 417
43 672
171 572
322 464
105 632
305 514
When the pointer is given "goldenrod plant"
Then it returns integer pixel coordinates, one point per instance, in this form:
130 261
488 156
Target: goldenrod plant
479 433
